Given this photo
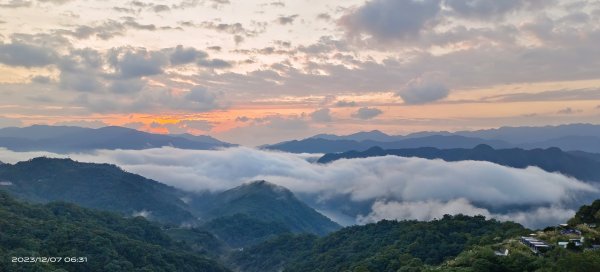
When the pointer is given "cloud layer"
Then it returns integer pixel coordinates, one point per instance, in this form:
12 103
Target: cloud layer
395 187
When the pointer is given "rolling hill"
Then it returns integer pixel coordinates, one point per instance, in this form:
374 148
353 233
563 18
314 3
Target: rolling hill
268 203
97 186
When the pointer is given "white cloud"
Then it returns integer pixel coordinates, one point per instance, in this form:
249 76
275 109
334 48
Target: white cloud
396 187
427 88
538 217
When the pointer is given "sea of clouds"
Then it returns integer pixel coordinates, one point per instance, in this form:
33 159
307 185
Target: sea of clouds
393 187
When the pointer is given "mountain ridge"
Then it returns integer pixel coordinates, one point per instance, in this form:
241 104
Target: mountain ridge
550 160
64 139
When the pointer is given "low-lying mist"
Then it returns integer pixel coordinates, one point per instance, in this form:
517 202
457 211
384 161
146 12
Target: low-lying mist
393 187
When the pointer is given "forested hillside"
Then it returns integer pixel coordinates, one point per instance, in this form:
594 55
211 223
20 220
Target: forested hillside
106 241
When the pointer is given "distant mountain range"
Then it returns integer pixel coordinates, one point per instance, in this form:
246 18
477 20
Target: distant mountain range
319 145
579 165
573 137
64 139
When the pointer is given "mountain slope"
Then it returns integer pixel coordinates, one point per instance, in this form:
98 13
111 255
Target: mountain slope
382 246
73 139
268 203
106 241
98 186
550 160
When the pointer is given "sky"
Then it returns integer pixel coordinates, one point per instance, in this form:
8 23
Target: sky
257 72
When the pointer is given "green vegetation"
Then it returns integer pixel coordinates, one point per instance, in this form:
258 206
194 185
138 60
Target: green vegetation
587 214
274 254
522 259
254 227
244 215
98 186
384 246
110 242
268 203
240 230
200 241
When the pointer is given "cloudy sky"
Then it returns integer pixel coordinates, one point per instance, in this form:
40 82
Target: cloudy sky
254 72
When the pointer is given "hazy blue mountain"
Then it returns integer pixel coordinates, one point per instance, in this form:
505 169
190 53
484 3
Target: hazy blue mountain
98 186
265 202
550 160
526 135
38 132
583 137
592 156
569 143
315 145
374 135
72 139
202 139
319 145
